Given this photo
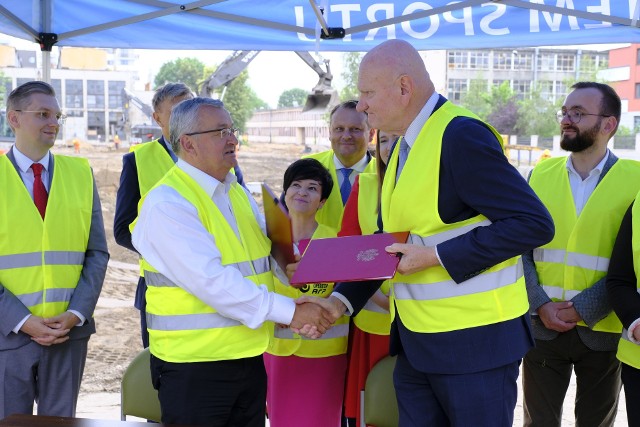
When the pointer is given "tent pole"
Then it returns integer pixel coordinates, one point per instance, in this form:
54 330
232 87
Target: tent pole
45 16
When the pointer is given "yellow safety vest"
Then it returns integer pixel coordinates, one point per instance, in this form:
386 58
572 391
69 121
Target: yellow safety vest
430 301
629 352
152 163
41 260
331 213
181 327
578 256
334 342
372 318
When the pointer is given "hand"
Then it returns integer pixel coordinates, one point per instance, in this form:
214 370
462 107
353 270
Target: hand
311 315
569 315
42 333
549 315
291 269
66 320
414 257
332 305
636 333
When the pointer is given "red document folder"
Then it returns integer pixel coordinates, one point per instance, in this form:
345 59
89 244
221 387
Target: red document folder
278 228
349 259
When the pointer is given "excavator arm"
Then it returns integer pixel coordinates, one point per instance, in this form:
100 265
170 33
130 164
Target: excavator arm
321 96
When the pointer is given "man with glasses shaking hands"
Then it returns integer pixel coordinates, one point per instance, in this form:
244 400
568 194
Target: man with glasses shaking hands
53 259
206 265
587 194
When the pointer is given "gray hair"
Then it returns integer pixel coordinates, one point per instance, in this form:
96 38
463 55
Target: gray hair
170 91
19 97
184 118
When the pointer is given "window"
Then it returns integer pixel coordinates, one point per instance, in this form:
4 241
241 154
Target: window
523 61
115 94
546 89
566 62
546 62
457 88
637 58
95 125
502 60
637 90
636 123
95 94
522 88
457 59
561 90
479 60
74 94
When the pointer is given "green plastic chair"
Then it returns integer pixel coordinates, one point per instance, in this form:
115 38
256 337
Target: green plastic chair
138 398
379 407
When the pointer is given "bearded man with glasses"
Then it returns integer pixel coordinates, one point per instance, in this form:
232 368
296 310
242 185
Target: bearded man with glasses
587 194
53 259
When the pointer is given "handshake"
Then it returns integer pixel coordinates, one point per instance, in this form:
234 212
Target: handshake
314 316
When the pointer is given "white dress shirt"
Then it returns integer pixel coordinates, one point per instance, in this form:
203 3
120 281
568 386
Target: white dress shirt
171 237
582 189
26 173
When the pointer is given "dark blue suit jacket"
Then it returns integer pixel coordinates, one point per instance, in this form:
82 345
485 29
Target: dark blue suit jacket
475 177
127 208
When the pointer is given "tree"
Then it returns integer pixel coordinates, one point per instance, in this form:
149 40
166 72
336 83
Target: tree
182 70
477 99
351 63
292 98
504 109
537 115
240 100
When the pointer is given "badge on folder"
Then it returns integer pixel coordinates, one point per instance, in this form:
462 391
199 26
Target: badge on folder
278 228
349 259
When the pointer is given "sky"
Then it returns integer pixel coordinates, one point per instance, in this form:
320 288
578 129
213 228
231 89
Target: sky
270 73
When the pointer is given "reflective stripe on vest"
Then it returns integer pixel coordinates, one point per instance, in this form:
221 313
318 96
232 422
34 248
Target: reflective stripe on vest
572 259
182 328
35 258
336 331
449 288
428 301
41 260
578 255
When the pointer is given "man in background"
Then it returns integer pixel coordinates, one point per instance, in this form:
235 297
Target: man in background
587 194
350 135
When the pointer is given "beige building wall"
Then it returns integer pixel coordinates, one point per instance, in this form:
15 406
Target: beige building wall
7 56
80 58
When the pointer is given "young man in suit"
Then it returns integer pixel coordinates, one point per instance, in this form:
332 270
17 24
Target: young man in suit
461 325
53 259
587 194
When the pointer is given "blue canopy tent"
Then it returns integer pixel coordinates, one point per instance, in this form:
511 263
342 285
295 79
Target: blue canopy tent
295 25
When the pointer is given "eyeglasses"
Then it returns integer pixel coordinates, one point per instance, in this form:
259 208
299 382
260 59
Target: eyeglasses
224 132
46 115
575 115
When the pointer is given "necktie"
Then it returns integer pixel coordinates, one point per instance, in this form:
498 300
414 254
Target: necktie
402 156
345 188
40 195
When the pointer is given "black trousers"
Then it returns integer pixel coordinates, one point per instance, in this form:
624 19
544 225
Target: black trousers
227 393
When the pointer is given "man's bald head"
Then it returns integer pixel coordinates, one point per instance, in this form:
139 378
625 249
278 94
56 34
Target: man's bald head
394 85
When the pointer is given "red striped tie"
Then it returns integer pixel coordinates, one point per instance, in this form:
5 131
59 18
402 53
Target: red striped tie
40 195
